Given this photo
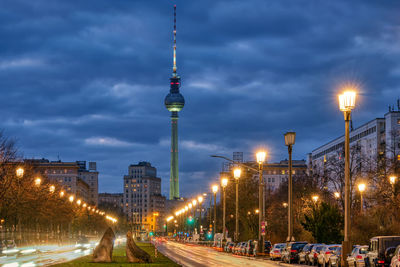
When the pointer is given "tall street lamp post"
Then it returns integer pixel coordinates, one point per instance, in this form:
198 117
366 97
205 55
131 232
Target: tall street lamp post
290 138
260 160
361 188
347 102
215 191
392 180
200 200
236 174
224 183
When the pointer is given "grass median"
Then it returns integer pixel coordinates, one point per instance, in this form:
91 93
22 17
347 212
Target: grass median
119 258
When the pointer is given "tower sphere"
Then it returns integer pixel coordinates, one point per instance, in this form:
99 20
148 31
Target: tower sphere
174 102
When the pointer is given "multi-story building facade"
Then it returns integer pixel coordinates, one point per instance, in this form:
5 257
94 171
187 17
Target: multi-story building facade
143 203
67 175
375 139
115 200
91 177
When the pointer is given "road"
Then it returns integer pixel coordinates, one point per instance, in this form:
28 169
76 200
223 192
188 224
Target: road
195 256
43 255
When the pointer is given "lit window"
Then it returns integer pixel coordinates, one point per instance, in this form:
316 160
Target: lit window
398 157
283 172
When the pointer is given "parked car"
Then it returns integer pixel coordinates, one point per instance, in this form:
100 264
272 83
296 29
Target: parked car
324 254
381 250
235 249
335 259
243 248
276 251
291 252
356 258
267 247
231 245
251 248
312 256
303 255
395 262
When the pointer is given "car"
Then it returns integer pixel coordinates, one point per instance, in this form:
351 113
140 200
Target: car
381 250
251 247
276 251
324 254
82 243
395 262
303 255
335 259
8 247
267 247
235 249
312 256
356 258
291 252
243 248
238 248
230 246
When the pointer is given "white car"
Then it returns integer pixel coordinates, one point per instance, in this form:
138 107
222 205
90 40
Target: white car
325 253
357 256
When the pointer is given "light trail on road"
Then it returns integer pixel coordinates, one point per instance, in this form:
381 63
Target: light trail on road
44 255
189 255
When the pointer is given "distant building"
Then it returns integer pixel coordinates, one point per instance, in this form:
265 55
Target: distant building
115 200
273 173
376 139
144 205
91 177
69 176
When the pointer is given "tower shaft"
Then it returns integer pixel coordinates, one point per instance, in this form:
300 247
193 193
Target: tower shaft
174 173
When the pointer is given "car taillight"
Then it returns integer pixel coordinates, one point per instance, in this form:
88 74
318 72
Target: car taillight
276 251
328 252
293 251
381 262
359 257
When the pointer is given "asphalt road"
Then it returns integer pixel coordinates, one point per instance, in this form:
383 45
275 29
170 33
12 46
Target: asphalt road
195 256
43 255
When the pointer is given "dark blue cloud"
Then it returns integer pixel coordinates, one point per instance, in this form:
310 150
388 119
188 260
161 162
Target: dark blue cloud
87 80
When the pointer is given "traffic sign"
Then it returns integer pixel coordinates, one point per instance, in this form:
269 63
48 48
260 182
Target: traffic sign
263 228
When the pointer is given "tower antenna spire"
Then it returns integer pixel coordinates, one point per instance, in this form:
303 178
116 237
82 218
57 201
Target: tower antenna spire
174 66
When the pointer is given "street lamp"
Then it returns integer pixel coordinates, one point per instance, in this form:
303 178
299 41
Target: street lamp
347 102
393 180
71 199
361 188
260 160
236 174
19 172
215 190
52 188
315 198
38 181
336 195
224 183
200 200
290 138
285 205
78 202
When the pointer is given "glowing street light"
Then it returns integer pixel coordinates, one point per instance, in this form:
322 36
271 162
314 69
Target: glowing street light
194 202
347 102
361 188
336 195
62 193
78 202
285 205
224 183
236 174
19 172
52 188
38 181
71 199
215 190
200 200
260 156
315 198
392 179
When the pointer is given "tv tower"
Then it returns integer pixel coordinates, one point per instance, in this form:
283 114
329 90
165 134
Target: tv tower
174 102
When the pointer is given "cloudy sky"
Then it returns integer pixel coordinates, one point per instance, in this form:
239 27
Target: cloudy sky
86 80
